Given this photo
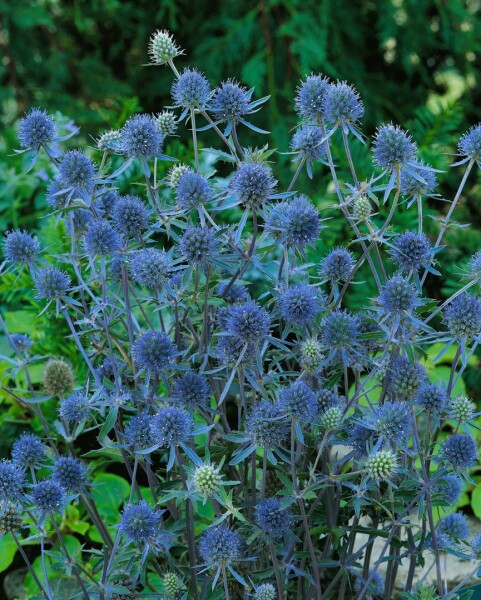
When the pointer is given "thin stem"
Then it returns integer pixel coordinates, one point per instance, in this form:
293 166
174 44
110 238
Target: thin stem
194 139
31 569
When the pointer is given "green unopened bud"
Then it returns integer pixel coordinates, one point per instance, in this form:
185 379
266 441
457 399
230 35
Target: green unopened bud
331 418
462 409
176 173
311 355
207 480
361 208
10 519
166 122
173 585
162 47
382 465
58 378
266 591
108 140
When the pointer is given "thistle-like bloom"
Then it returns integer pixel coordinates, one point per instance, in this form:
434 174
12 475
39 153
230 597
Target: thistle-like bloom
36 129
361 438
454 526
56 197
274 521
331 418
450 489
166 122
361 208
21 342
77 172
382 464
192 191
28 451
58 377
307 141
230 102
326 399
138 432
140 137
75 408
300 304
220 546
162 47
294 223
312 355
266 591
337 265
393 421
460 451
207 480
51 283
12 478
342 105
151 267
153 351
191 390
266 424
70 473
413 186
248 322
253 183
463 317
130 216
310 96
109 141
140 524
101 239
474 265
411 251
173 585
461 409
191 90
470 144
175 173
298 402
49 496
433 398
398 296
78 221
340 333
20 247
393 148
198 244
406 378
10 519
171 425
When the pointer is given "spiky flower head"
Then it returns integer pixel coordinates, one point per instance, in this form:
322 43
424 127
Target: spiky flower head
20 247
162 47
70 473
274 521
28 451
474 265
207 480
266 591
36 129
51 283
198 244
331 418
311 355
253 183
462 409
191 390
463 317
10 518
433 398
307 141
20 342
175 174
171 425
220 546
230 102
340 332
460 451
109 140
337 265
56 197
192 191
248 322
342 104
58 377
299 304
101 239
77 171
449 489
75 408
191 90
361 438
138 432
361 208
470 144
310 96
130 216
266 424
413 186
166 122
295 223
298 401
140 137
476 545
140 523
406 378
411 251
398 296
12 478
393 148
382 464
173 585
151 267
455 526
326 399
48 496
153 351
392 421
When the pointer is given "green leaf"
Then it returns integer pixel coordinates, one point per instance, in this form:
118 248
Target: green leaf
8 549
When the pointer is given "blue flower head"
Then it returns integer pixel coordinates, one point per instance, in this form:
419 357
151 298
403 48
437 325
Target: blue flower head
75 408
140 137
460 451
337 265
393 148
151 267
398 296
198 244
433 398
454 526
49 496
449 489
153 351
463 317
191 390
138 432
362 438
230 102
300 304
101 239
11 481
340 333
130 216
470 144
248 322
191 90
411 251
171 425
193 191
253 183
326 399
266 424
274 521
299 402
294 223
405 378
140 524
77 172
20 247
342 104
220 546
21 342
70 473
423 184
51 283
310 97
392 421
36 129
307 141
28 451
